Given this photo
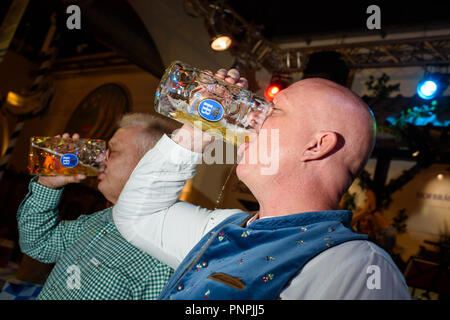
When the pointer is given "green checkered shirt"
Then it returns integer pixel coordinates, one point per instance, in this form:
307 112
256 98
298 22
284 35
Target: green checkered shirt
93 261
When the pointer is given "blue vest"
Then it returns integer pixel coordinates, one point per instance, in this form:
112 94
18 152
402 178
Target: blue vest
240 262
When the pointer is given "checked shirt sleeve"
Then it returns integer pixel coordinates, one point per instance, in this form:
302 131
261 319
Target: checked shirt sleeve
42 235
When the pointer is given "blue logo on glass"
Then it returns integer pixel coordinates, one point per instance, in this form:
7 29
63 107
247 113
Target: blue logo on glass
210 110
69 160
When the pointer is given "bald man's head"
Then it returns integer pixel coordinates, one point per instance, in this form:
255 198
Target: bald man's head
326 132
328 106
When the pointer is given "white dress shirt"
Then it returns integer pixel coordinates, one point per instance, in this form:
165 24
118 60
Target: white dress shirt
149 215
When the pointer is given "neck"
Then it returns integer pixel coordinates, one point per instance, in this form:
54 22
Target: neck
112 200
300 198
271 208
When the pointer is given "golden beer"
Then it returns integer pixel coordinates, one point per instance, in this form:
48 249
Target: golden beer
230 134
65 156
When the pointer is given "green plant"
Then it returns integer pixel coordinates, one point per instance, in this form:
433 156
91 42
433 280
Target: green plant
348 201
365 181
380 87
399 222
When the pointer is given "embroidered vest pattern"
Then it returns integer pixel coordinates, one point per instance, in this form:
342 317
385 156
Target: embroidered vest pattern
255 262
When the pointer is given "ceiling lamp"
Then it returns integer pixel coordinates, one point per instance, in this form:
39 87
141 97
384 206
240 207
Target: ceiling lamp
219 30
221 42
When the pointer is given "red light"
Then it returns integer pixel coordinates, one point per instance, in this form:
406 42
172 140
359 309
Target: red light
274 90
271 91
277 84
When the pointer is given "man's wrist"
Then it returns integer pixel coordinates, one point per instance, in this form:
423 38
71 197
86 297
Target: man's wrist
192 138
41 181
178 154
41 192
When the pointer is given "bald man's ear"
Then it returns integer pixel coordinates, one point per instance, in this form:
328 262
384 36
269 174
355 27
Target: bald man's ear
319 146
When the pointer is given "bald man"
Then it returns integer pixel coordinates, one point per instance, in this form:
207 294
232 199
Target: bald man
298 246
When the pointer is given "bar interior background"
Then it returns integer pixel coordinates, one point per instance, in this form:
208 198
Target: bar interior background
54 80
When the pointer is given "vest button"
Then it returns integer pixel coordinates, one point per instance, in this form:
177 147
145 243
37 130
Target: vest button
180 287
204 264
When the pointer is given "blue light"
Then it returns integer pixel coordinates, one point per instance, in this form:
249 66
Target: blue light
427 89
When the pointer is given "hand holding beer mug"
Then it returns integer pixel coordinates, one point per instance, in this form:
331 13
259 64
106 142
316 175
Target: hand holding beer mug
62 160
207 101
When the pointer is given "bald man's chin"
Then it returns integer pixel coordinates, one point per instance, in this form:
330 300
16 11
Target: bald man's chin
246 172
252 172
240 170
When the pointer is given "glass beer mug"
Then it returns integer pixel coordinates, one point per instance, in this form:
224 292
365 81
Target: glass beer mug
65 156
193 96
